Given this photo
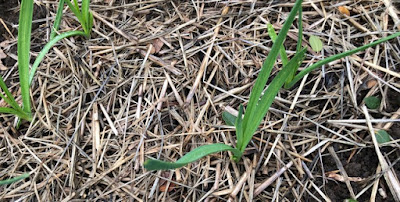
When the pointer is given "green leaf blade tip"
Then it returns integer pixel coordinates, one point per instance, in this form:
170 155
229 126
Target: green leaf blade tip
194 155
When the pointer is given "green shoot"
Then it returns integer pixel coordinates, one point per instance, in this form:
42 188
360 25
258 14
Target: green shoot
251 120
260 102
57 21
47 47
246 127
24 45
26 75
229 119
282 51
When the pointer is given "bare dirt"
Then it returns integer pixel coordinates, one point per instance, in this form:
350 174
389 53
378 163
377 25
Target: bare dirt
9 13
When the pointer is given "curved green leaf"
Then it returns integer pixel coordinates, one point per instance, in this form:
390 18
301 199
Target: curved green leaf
338 56
7 110
21 114
14 179
47 47
194 155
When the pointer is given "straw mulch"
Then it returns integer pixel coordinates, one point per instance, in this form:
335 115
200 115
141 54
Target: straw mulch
154 79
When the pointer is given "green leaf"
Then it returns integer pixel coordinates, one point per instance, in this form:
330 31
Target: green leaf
15 179
47 47
266 71
382 136
9 98
300 32
86 14
239 129
78 14
23 50
229 118
338 56
282 52
269 96
372 102
76 5
316 43
273 36
7 110
57 21
194 155
90 26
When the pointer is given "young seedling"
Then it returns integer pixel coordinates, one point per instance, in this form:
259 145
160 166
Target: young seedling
260 102
26 75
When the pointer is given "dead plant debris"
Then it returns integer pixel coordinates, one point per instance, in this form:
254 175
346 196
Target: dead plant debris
154 80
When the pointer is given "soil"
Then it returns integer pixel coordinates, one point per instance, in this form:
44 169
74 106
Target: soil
363 164
9 13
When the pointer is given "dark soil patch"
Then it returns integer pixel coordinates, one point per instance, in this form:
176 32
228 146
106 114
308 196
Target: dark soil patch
363 164
9 13
394 100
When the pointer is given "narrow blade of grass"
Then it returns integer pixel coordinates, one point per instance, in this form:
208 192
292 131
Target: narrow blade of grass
194 155
20 114
78 14
300 28
269 96
338 56
8 110
14 179
90 22
239 129
10 98
85 13
267 67
282 51
57 21
76 5
23 48
47 47
299 42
